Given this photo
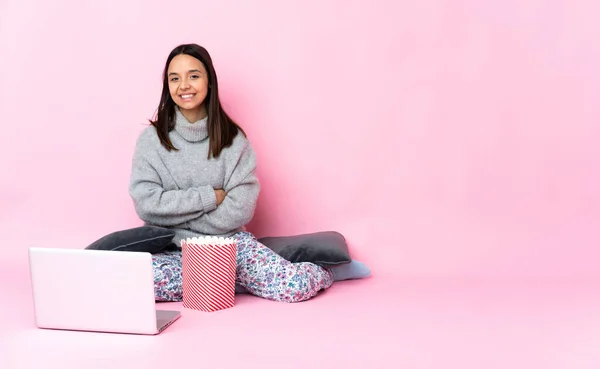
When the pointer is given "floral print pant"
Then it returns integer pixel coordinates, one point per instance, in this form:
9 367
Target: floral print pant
260 271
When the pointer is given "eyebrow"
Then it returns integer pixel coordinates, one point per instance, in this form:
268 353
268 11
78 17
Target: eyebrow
190 71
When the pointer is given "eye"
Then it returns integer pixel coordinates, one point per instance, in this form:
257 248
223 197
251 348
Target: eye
174 79
195 76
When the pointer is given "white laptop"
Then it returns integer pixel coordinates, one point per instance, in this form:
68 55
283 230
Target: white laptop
97 291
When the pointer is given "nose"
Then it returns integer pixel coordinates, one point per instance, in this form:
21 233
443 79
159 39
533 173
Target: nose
184 85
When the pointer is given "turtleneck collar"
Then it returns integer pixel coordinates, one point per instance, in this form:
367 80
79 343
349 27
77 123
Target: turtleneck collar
192 132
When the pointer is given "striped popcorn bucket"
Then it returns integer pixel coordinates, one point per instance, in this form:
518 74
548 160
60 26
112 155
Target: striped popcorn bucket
208 268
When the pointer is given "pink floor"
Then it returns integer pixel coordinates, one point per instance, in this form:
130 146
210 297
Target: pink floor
382 322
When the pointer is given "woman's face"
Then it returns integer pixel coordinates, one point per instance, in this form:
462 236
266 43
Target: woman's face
188 85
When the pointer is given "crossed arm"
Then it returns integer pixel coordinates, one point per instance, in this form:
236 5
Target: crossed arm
196 208
237 209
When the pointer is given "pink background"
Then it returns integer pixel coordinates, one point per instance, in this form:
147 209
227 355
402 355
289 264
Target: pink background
442 138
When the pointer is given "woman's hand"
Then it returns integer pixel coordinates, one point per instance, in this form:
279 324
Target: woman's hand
220 194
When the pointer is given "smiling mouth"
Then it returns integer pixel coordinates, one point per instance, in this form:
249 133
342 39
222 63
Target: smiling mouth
187 96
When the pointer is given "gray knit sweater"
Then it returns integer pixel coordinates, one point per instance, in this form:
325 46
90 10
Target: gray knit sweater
176 189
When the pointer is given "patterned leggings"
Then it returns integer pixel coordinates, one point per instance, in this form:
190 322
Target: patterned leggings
259 270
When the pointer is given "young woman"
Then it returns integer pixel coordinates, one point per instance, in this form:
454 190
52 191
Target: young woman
194 172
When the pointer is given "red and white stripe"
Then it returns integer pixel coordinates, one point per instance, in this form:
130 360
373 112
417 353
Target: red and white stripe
208 270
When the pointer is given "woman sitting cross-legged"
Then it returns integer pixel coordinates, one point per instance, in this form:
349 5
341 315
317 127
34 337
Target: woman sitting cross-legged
193 171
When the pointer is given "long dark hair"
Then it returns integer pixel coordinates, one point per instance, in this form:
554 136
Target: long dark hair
221 128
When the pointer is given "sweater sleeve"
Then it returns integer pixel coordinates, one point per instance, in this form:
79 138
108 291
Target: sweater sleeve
237 209
158 206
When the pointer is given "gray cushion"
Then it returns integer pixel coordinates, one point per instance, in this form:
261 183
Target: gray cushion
142 239
322 248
